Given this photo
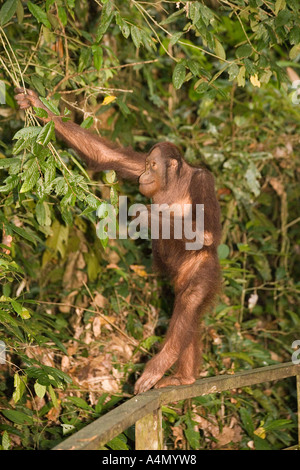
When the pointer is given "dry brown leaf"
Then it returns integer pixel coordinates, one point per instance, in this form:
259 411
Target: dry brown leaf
208 427
226 361
139 270
99 300
38 402
6 240
112 266
178 434
43 355
275 357
53 414
109 385
293 76
97 374
65 363
120 346
74 277
250 444
277 186
88 339
72 349
97 326
229 435
69 299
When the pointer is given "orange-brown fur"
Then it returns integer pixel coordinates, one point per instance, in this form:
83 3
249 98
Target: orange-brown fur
165 177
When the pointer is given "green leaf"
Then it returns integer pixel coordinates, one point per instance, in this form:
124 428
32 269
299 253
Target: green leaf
206 14
279 5
7 11
219 50
53 396
117 444
62 15
87 123
250 67
283 18
194 11
178 76
252 176
50 171
84 59
261 444
243 51
31 176
173 17
247 421
98 56
47 134
136 35
241 76
50 105
175 37
80 403
125 30
43 213
100 403
56 242
21 144
294 52
192 436
6 443
22 311
113 196
67 428
279 424
201 86
11 183
27 132
223 251
39 389
7 162
239 355
194 67
17 417
233 72
295 35
20 12
39 14
106 18
40 112
23 233
110 176
20 386
47 375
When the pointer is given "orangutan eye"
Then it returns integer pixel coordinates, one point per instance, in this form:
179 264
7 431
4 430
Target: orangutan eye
154 165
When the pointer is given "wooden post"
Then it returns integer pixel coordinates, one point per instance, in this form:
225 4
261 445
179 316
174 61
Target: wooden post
148 432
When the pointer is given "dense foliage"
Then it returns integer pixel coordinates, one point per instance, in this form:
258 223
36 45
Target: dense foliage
77 315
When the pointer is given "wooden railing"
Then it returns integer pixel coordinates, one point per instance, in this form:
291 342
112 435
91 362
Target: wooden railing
145 410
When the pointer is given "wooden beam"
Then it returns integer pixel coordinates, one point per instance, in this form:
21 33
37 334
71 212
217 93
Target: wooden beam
116 421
